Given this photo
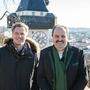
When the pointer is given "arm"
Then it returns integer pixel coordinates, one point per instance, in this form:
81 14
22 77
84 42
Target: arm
81 77
41 77
34 78
34 84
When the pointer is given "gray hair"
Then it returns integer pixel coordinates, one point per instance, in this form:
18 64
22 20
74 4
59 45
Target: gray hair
20 24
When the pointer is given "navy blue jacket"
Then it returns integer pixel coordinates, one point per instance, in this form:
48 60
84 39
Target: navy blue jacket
75 71
16 67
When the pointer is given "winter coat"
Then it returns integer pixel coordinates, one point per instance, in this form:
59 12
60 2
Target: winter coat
75 72
16 67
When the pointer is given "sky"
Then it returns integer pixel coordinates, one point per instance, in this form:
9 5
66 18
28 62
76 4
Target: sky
72 13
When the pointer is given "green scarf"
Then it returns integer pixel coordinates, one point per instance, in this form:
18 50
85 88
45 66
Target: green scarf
60 72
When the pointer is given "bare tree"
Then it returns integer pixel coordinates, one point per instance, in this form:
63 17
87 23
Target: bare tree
5 4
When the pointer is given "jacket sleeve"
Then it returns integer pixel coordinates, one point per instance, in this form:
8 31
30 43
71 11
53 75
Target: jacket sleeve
81 77
41 77
34 78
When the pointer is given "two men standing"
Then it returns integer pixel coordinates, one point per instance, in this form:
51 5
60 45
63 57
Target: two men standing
61 66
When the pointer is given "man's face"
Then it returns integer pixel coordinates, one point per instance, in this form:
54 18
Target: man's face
59 38
19 35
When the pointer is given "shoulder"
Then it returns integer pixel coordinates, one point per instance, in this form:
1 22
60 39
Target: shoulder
34 45
76 51
2 50
47 49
